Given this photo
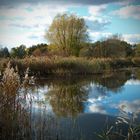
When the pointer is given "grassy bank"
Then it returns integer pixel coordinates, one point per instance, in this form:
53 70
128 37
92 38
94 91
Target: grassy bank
69 65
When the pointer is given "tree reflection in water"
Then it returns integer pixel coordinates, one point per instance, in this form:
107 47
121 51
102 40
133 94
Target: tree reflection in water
113 81
66 96
67 100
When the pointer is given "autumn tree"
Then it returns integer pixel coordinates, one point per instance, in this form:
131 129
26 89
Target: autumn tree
36 52
113 47
42 48
137 50
67 32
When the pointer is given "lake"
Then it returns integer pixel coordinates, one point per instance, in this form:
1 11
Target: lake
72 108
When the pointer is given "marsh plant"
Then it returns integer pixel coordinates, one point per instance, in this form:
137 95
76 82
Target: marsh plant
130 121
56 65
10 80
12 114
126 127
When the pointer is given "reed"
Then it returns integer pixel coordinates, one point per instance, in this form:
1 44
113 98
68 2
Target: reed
115 132
42 66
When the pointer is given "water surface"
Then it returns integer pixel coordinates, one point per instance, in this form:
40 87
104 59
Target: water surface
72 108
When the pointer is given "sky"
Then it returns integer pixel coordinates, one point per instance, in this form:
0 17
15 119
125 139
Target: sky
27 21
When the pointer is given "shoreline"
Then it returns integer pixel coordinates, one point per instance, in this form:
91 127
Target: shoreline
69 66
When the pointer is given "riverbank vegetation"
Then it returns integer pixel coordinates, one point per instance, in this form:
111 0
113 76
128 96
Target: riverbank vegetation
42 66
66 97
71 52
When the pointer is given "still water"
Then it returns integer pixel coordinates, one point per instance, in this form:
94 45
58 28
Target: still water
71 108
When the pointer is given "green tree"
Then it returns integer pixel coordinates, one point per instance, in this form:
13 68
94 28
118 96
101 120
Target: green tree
4 52
67 32
18 52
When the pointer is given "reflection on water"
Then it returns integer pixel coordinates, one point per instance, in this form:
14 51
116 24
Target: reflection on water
67 100
69 108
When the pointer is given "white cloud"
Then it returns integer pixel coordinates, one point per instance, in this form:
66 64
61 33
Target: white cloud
10 40
97 10
62 2
96 23
132 38
95 36
97 109
20 24
27 24
133 82
130 11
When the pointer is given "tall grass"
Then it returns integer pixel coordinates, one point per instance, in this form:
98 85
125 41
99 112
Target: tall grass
10 81
126 127
12 115
70 65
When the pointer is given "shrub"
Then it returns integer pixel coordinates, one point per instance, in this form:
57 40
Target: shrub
136 61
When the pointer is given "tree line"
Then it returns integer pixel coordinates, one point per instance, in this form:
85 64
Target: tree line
68 36
100 49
